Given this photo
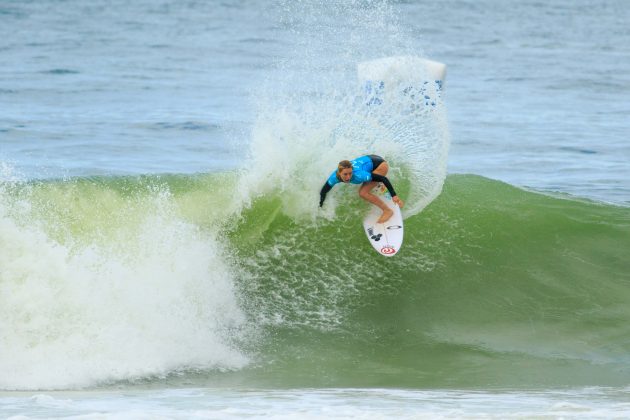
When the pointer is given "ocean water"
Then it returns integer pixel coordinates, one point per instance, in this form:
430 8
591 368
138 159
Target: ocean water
162 254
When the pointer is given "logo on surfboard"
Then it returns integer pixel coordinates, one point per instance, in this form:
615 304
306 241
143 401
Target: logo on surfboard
374 237
388 250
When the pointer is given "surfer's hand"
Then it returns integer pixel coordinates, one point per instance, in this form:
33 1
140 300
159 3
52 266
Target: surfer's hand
398 201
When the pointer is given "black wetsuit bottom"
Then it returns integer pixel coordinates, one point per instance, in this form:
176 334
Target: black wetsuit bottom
376 160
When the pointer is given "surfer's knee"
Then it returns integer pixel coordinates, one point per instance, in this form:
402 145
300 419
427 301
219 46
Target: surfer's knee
364 191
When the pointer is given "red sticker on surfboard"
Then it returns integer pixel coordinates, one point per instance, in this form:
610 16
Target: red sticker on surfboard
388 250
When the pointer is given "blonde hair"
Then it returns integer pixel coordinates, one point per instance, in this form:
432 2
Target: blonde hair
344 164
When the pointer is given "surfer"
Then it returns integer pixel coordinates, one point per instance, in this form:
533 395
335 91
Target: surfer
366 170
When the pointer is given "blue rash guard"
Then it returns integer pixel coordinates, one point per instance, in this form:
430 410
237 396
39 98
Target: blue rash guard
362 168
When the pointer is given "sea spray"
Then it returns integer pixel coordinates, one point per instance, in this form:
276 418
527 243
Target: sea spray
312 110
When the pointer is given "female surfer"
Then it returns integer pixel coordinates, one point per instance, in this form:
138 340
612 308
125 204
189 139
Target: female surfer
368 171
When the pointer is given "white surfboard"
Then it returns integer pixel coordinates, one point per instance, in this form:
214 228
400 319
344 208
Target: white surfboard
386 238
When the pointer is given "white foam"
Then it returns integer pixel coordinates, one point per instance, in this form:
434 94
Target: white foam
157 300
327 404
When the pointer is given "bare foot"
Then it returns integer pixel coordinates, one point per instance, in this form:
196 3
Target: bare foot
387 214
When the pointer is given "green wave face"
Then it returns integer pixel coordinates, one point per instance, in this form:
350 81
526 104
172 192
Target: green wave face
494 286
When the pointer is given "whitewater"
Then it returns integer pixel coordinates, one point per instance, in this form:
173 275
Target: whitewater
162 252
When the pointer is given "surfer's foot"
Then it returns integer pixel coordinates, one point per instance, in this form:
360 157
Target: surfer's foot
387 214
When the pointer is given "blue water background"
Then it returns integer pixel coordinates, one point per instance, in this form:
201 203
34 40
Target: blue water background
538 93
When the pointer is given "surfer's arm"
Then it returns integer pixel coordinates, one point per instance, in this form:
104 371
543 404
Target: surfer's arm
322 194
385 181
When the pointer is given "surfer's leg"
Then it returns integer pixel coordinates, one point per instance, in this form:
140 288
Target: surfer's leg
365 194
382 169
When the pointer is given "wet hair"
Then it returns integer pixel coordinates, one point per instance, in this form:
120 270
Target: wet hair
344 164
